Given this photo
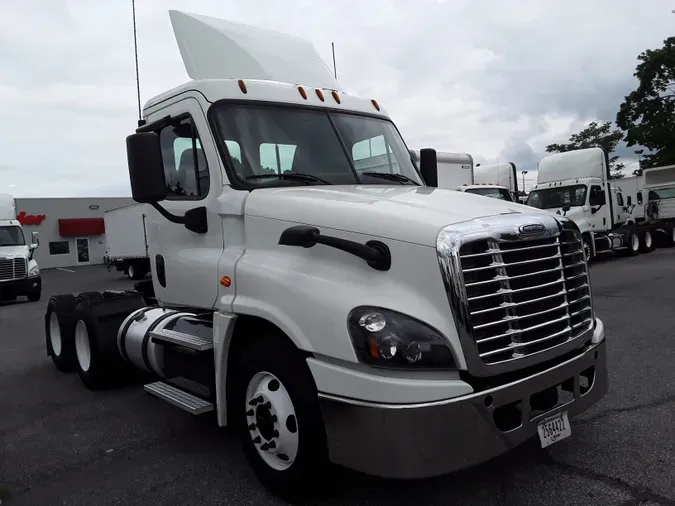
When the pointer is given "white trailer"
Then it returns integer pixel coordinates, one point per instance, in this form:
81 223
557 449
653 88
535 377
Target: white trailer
657 197
127 240
631 189
576 184
19 271
454 169
326 314
498 174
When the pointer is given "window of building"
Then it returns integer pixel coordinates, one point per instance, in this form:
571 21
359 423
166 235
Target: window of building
185 167
59 248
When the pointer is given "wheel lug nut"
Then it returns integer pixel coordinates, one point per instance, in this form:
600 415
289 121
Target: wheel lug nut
275 433
256 400
274 418
271 444
256 440
264 447
251 427
249 412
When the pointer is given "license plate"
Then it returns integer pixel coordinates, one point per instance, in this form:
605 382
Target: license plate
553 429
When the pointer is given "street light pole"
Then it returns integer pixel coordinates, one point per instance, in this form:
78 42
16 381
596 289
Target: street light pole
523 172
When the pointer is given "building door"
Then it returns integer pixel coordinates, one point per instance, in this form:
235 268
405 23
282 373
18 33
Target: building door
82 247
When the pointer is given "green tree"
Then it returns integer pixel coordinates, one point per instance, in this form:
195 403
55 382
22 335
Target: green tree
648 113
595 135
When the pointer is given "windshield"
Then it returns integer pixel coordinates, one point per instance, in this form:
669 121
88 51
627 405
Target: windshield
666 193
560 196
495 193
11 236
281 146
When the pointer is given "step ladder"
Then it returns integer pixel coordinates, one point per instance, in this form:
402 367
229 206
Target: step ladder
179 398
181 339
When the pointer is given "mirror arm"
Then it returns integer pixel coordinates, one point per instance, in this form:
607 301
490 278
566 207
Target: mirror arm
180 220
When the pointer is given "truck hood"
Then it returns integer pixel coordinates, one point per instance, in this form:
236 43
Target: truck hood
406 213
13 251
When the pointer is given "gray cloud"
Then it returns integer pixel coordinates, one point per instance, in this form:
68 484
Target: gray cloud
499 80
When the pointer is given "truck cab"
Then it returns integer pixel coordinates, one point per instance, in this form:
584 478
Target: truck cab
575 184
19 272
323 303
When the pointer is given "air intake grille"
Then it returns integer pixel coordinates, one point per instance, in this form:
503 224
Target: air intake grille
525 296
12 268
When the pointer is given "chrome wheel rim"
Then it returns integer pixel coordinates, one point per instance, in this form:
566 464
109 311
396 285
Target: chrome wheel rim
55 334
82 346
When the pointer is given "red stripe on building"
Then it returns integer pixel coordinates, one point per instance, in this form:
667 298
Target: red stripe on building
71 227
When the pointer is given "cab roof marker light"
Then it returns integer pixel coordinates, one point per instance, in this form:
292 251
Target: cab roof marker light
319 94
375 104
302 91
335 96
242 86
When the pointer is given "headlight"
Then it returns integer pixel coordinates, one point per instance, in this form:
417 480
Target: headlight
34 271
384 338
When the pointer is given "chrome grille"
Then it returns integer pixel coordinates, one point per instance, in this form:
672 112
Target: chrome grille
516 297
12 268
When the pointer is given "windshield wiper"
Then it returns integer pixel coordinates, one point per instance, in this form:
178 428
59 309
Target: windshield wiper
400 178
293 176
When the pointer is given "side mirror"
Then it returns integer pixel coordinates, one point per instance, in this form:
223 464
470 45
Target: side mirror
429 166
565 209
35 239
146 170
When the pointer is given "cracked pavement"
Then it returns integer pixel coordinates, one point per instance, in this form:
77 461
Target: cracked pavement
61 444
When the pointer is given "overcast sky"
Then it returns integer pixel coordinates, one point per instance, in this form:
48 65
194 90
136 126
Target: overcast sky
497 79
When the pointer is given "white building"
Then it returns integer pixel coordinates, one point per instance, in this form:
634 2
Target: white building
72 230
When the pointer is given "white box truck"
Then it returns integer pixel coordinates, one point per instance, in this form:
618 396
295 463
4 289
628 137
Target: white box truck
19 271
327 315
454 169
127 240
576 184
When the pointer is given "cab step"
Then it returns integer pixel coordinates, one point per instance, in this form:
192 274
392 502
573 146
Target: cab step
179 398
181 339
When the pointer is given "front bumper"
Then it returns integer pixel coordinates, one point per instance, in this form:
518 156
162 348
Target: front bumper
435 438
17 287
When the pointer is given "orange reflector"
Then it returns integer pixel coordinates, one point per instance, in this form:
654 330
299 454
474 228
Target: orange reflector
302 91
336 96
373 348
242 86
225 281
375 104
319 94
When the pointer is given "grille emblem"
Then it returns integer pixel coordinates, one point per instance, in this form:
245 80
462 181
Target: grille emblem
532 229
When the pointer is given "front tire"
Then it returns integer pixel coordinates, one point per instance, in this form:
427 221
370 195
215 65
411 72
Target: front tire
588 250
633 242
646 242
277 415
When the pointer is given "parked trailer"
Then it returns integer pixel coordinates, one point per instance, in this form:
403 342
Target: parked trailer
502 175
576 184
127 240
658 198
454 169
372 321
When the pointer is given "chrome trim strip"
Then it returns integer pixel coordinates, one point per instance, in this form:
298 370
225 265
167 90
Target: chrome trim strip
498 230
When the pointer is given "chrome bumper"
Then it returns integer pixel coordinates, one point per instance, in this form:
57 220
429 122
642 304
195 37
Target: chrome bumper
431 439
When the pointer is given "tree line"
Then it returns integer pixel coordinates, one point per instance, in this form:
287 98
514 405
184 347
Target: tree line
645 120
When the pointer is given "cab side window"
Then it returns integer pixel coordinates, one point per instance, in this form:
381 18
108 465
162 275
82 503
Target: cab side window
619 199
185 167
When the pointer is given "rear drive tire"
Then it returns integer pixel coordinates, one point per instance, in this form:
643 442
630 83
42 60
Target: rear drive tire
89 296
92 364
277 416
670 237
59 325
646 242
633 242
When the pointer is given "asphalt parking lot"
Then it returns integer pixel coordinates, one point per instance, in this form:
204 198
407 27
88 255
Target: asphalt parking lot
62 444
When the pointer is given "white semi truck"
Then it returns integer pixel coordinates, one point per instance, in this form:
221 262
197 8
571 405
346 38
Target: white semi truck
500 178
127 240
19 271
576 184
327 315
652 196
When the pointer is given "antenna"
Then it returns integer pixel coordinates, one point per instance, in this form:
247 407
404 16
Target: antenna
138 81
332 45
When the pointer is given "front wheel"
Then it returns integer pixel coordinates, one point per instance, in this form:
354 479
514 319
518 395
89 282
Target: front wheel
276 413
588 251
646 242
633 242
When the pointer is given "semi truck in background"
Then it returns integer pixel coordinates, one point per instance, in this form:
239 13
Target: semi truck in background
576 184
652 198
327 314
456 171
127 240
19 271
